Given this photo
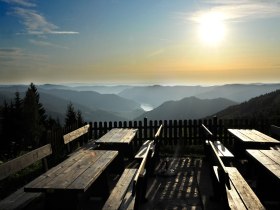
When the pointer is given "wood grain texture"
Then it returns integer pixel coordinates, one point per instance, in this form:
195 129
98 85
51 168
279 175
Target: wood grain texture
75 134
121 192
24 161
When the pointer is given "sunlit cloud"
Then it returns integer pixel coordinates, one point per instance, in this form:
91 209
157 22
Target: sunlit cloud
240 10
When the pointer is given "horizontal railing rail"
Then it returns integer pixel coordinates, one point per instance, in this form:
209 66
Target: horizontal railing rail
174 132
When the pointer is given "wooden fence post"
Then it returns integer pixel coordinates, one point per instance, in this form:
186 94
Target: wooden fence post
145 128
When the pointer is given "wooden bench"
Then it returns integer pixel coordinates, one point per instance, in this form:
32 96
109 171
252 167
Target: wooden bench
154 146
231 187
76 135
20 199
221 150
130 189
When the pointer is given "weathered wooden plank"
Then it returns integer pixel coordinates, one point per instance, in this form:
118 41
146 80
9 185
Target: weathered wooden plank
222 150
75 134
239 135
118 135
274 155
253 136
221 167
141 169
53 172
92 173
119 192
234 200
157 135
23 161
245 192
128 136
266 137
73 172
76 173
268 158
142 151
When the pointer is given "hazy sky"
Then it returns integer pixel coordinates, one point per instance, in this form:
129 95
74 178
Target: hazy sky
139 41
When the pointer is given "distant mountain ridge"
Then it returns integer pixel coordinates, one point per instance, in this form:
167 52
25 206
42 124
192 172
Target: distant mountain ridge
156 95
124 102
265 106
94 106
187 108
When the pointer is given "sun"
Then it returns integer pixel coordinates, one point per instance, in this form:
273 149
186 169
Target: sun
211 28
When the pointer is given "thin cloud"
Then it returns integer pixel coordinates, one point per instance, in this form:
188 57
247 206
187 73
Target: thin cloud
36 24
242 10
156 53
11 55
24 3
45 44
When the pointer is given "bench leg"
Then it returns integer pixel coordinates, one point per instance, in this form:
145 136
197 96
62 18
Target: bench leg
141 192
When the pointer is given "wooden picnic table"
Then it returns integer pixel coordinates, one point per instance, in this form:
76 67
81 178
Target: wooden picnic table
118 139
269 159
67 183
251 139
266 168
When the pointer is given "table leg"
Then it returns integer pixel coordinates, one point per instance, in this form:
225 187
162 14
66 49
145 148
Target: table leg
64 200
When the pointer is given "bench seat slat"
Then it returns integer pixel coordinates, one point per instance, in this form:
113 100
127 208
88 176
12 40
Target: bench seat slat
142 151
119 192
245 192
222 150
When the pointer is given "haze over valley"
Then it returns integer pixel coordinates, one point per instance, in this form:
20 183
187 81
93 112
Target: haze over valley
121 103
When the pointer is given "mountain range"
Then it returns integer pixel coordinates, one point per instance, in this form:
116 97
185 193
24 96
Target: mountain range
187 108
156 95
121 103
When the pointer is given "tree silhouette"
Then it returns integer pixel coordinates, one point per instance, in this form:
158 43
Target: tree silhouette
73 118
71 115
34 117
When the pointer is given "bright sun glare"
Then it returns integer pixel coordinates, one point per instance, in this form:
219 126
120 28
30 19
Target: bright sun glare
211 28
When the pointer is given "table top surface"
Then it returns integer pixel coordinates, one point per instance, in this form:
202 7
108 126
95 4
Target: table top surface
270 159
118 135
251 135
76 173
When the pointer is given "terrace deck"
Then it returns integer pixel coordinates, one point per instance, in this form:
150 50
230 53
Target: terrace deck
185 186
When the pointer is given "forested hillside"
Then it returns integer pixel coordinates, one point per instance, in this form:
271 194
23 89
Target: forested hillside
266 106
187 108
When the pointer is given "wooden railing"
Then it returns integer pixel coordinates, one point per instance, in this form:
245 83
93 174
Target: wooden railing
183 132
174 132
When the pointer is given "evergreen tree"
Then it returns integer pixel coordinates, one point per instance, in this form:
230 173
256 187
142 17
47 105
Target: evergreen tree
6 127
71 116
34 117
17 119
80 119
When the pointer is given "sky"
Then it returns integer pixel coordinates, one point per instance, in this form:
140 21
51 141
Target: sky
191 42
